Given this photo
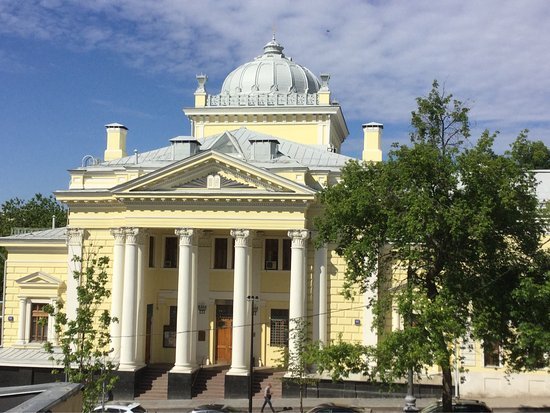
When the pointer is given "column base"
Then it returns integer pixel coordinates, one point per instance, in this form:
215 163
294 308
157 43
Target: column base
130 366
180 385
237 371
187 369
236 387
126 385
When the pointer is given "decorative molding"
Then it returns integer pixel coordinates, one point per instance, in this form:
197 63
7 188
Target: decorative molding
119 234
75 237
131 235
272 98
185 235
299 237
241 237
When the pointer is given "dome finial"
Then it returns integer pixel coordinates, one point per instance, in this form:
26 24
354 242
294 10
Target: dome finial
273 47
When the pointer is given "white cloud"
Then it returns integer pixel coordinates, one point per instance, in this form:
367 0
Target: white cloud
380 54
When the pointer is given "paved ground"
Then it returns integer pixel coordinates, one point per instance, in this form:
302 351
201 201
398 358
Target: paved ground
499 405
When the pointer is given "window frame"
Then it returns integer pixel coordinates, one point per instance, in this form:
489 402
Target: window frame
152 259
491 351
229 253
283 254
165 251
278 338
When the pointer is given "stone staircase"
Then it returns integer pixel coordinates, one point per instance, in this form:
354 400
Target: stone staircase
210 383
153 385
265 375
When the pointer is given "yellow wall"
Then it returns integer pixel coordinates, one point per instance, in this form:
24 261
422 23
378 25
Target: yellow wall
49 259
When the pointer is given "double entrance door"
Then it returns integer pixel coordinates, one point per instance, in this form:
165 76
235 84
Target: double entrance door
224 333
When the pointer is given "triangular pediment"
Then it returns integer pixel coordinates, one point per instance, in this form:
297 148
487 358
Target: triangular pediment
39 278
211 173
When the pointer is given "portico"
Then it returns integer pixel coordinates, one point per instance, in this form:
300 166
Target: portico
248 275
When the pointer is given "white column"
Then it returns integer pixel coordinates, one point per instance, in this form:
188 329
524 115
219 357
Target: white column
74 266
183 323
296 308
117 287
320 286
194 303
140 298
238 359
128 327
21 333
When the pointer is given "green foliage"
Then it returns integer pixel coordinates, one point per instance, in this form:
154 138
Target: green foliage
464 225
34 213
532 154
298 358
85 341
341 359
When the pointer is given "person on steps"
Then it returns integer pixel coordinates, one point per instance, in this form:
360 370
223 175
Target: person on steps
267 397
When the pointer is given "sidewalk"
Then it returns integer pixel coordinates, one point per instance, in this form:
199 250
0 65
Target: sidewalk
370 405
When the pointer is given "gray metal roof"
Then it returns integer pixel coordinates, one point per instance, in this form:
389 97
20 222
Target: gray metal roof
28 357
237 143
271 72
54 234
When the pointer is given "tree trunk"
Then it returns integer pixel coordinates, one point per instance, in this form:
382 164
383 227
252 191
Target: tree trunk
447 396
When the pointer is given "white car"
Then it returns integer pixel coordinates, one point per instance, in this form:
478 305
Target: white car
121 407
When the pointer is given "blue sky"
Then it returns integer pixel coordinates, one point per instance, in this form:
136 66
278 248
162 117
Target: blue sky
67 68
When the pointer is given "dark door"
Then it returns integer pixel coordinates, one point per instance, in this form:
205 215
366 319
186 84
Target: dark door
224 333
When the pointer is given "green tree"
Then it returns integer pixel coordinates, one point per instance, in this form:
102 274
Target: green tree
34 213
464 226
299 359
533 154
85 341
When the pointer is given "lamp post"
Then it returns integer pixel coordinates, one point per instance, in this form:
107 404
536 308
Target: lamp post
252 299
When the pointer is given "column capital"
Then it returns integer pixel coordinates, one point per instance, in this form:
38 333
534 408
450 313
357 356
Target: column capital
185 235
241 237
131 235
119 234
74 236
298 237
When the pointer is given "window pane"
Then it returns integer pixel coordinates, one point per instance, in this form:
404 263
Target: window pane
220 253
151 252
271 254
286 254
171 252
491 354
279 328
39 323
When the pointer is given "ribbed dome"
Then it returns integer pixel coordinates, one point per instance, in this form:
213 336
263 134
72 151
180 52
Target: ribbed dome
270 72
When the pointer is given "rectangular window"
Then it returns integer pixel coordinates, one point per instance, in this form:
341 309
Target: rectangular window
151 252
39 323
171 252
491 354
220 253
279 328
286 254
271 254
